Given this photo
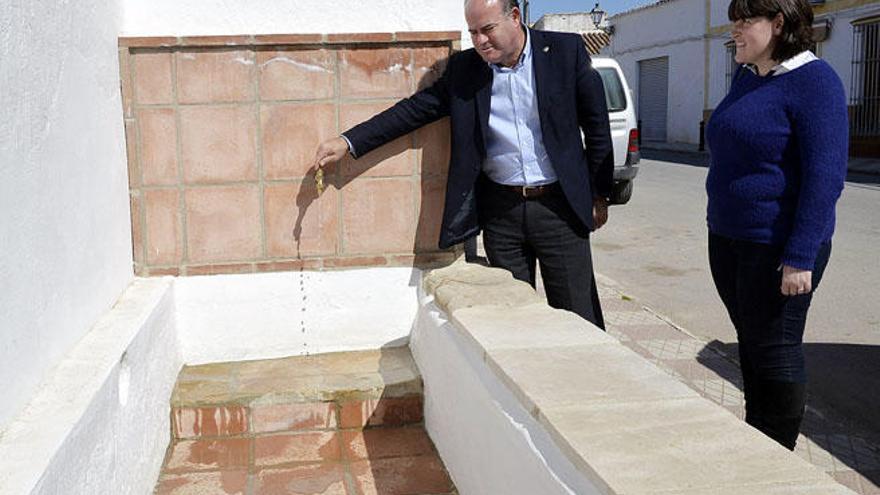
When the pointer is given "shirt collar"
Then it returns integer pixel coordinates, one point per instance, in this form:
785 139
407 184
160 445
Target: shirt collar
788 65
525 56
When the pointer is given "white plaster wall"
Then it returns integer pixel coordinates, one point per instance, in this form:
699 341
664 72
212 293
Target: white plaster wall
489 443
718 12
675 30
65 240
100 422
217 17
261 316
685 101
658 25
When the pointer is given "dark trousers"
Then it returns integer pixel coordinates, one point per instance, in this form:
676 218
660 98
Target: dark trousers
769 329
519 231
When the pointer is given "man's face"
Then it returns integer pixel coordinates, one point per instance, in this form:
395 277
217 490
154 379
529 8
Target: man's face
498 38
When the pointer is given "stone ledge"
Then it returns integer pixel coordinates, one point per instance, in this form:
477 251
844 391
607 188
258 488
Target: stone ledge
289 39
622 422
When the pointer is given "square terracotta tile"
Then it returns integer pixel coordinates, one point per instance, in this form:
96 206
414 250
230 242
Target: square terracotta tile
381 443
290 135
215 75
432 197
152 77
386 411
298 222
297 74
164 237
401 476
429 64
213 483
191 422
319 479
432 144
218 144
223 223
158 143
287 448
375 72
205 455
393 159
292 417
378 216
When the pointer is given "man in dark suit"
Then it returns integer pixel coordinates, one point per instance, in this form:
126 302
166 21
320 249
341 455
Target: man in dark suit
519 169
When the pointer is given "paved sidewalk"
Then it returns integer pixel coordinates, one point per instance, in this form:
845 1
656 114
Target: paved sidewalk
852 458
689 153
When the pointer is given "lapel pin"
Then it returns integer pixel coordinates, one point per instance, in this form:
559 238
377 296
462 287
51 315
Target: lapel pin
546 49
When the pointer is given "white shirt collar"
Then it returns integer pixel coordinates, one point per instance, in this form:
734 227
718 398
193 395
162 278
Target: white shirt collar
789 65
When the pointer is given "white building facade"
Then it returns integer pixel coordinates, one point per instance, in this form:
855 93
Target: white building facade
678 57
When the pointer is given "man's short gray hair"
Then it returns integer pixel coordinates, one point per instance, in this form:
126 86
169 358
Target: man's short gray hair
507 6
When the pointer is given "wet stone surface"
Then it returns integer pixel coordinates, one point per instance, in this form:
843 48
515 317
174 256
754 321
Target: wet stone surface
343 424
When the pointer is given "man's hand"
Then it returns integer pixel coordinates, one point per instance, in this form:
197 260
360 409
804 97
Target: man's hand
600 212
330 151
796 281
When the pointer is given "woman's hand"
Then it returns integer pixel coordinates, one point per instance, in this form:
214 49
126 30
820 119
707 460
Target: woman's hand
796 281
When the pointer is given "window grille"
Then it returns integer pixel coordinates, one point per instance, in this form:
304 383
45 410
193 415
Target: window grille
865 88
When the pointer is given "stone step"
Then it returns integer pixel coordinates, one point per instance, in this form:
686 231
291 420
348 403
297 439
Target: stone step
322 392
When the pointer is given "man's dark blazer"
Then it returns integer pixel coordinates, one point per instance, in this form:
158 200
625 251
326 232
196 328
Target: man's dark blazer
570 98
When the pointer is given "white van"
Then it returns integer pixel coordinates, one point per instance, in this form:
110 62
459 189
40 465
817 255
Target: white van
624 128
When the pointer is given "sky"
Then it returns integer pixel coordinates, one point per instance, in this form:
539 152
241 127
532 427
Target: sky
540 7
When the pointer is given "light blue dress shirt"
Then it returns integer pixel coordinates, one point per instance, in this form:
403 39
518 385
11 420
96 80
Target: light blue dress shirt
515 153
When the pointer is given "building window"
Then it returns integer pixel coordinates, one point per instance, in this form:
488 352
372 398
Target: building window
865 89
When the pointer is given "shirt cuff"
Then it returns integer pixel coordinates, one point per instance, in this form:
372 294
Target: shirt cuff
350 147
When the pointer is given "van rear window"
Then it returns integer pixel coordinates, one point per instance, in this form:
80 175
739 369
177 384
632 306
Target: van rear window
614 97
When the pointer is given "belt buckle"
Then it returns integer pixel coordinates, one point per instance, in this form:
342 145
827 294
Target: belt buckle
527 189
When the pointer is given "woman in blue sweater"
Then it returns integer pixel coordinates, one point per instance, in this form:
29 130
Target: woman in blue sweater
779 144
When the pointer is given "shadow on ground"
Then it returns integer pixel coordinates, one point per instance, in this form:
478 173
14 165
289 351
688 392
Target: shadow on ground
844 395
701 159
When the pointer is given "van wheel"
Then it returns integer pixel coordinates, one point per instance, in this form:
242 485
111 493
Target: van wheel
621 192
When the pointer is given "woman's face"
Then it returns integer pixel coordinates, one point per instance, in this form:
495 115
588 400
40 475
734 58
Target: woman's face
755 38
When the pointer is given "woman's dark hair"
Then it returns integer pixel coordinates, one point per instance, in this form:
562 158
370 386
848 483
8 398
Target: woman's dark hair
797 26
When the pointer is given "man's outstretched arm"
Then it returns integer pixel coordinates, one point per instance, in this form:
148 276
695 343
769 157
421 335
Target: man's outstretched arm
407 115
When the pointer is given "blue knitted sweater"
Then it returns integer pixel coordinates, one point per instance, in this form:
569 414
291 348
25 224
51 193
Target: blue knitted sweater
779 150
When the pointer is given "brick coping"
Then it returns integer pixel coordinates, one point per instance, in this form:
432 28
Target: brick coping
288 39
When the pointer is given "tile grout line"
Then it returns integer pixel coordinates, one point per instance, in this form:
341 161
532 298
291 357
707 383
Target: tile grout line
340 203
256 87
142 213
181 199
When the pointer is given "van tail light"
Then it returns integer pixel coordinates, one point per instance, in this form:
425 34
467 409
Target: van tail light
633 141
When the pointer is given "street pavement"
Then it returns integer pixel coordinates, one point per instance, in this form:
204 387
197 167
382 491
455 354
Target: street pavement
654 248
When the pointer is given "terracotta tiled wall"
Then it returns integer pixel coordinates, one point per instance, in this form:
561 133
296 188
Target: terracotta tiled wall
221 134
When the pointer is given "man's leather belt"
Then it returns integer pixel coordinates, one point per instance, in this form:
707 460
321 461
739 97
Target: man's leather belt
531 192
